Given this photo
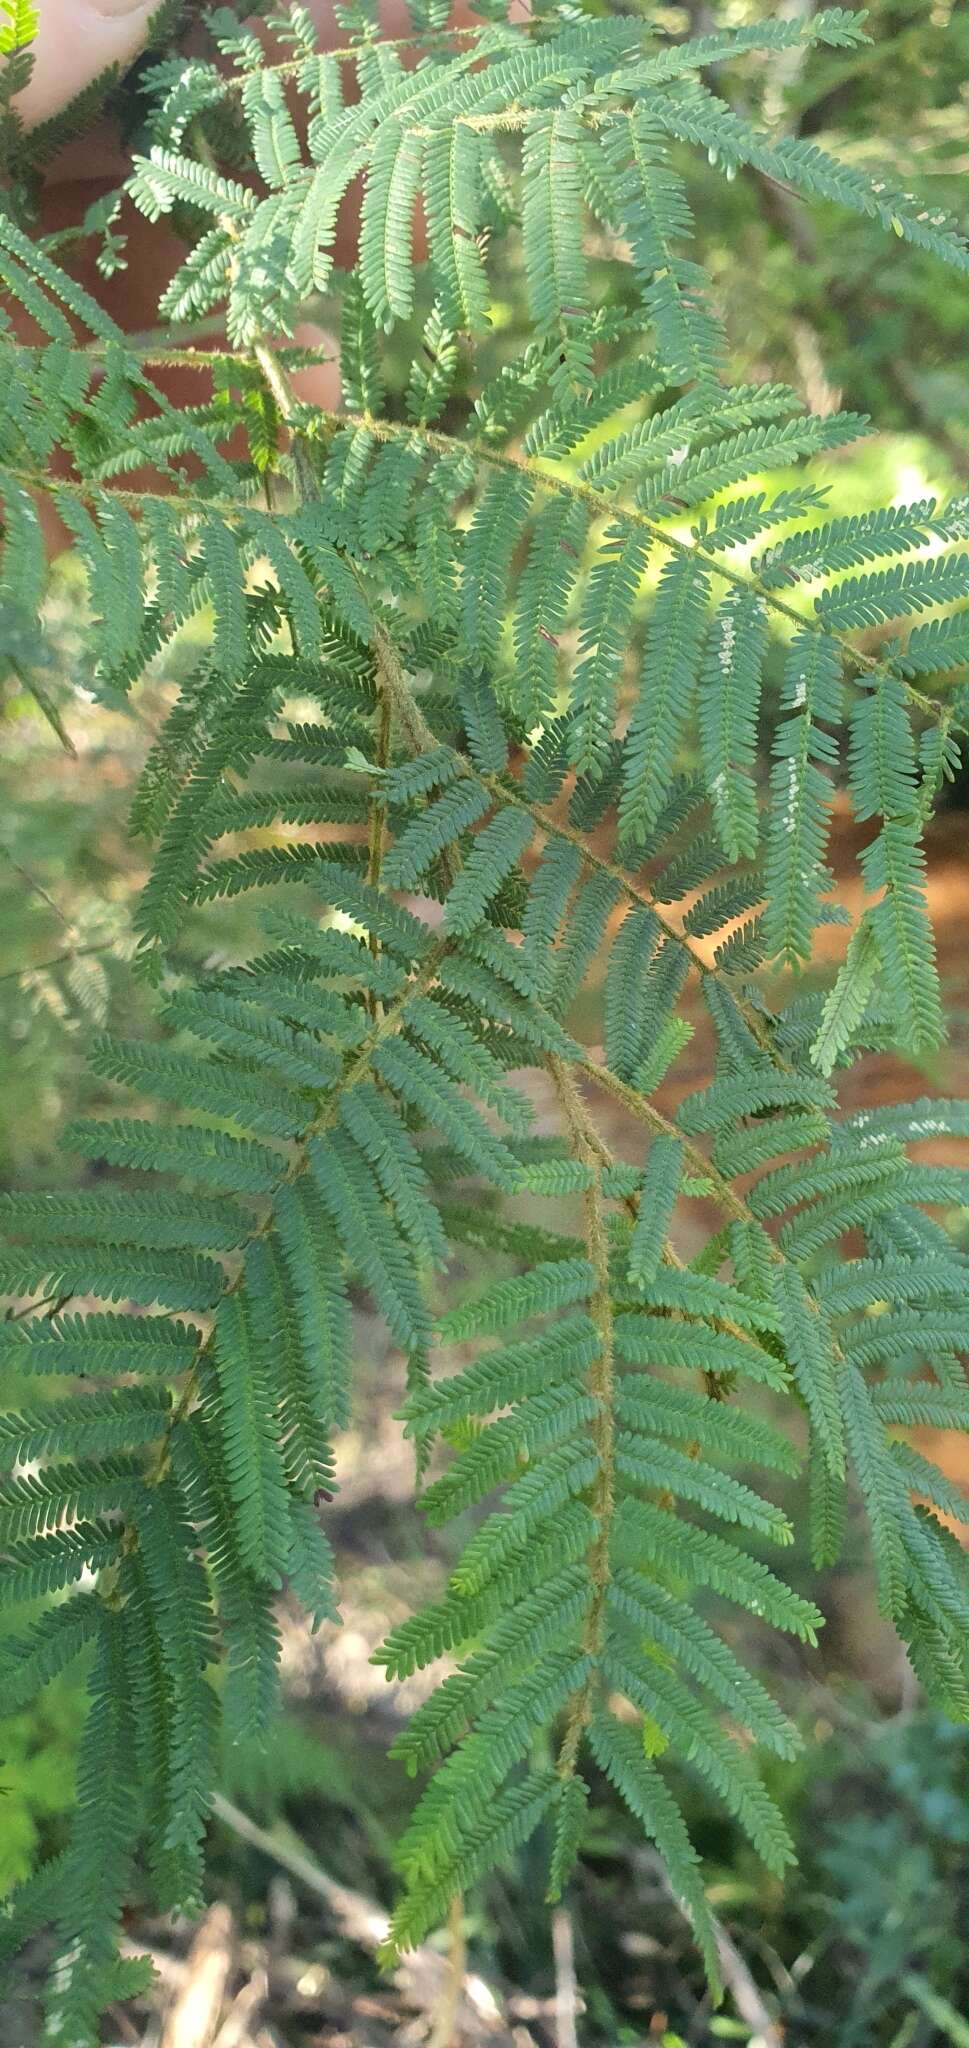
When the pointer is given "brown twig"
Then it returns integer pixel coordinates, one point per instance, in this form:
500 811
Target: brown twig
567 2003
362 1921
444 2031
194 2015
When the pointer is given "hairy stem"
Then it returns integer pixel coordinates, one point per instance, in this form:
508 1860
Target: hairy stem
420 739
587 1146
377 826
600 504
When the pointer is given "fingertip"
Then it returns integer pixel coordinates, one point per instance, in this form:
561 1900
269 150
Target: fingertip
318 384
76 41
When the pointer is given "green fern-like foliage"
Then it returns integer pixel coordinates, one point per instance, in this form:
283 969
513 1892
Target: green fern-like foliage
487 660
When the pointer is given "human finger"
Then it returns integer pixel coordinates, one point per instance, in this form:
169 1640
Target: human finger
77 40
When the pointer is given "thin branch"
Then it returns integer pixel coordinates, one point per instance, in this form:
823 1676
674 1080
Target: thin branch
444 2032
587 1142
606 507
377 822
555 828
603 506
745 1993
362 1921
193 2018
37 889
19 1315
566 1987
418 735
45 705
728 1201
57 960
358 1917
587 1146
151 355
290 67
